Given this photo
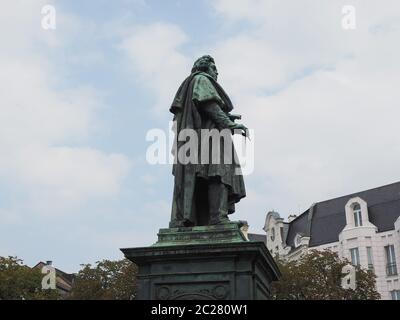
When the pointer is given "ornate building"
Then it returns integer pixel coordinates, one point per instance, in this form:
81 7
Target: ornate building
363 227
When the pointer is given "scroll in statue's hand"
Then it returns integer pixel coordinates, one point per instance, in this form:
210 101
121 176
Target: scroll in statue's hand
244 131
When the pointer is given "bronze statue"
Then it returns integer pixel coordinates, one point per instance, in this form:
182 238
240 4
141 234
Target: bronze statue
205 194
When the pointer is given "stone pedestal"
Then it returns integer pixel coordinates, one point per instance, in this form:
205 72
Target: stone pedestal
204 263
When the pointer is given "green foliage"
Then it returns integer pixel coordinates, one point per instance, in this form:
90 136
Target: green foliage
317 276
20 282
107 280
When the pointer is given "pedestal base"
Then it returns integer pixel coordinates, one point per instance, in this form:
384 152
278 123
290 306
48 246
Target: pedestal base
224 233
240 270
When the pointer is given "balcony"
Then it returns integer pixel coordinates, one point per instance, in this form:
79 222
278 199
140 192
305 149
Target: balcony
391 269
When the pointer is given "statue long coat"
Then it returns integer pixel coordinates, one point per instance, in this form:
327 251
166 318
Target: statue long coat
197 89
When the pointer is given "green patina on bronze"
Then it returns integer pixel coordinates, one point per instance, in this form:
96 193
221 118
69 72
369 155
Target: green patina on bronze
203 255
224 233
204 194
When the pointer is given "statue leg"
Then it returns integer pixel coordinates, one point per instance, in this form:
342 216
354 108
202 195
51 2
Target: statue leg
201 210
218 202
183 205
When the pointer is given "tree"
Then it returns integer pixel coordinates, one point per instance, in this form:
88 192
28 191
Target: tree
107 280
20 282
317 276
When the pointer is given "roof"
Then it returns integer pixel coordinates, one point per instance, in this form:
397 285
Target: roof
257 237
275 214
325 220
68 277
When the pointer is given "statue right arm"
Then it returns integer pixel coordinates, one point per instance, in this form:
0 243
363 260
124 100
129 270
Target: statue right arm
213 111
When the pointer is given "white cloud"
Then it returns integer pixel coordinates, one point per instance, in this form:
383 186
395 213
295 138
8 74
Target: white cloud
39 121
153 52
33 112
322 100
67 176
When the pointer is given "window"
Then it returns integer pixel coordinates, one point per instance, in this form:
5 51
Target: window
357 215
297 241
395 294
273 234
370 259
355 257
391 267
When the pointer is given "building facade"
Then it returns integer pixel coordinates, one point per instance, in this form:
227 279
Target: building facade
363 227
64 281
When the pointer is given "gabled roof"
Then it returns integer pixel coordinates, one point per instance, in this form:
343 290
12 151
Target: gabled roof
325 220
68 277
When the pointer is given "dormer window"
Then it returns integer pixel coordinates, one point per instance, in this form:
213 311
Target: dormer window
273 234
357 215
356 210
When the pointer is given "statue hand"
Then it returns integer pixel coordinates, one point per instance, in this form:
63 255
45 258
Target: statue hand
234 117
244 130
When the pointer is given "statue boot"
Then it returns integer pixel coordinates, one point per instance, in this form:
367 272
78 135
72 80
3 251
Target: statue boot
218 203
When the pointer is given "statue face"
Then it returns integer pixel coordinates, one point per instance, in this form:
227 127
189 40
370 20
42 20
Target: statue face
212 71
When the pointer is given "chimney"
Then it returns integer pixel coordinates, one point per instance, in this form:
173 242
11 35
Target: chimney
291 217
49 262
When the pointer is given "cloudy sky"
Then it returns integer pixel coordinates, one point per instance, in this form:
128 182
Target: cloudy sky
77 102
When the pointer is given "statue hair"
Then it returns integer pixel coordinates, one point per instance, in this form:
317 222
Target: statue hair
203 63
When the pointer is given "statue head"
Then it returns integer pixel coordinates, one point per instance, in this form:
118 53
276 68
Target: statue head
206 64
